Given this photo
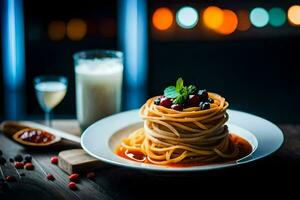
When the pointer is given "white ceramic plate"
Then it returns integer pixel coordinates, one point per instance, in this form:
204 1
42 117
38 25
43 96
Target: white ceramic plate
101 139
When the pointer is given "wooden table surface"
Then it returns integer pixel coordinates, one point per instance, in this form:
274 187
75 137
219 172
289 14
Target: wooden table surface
270 176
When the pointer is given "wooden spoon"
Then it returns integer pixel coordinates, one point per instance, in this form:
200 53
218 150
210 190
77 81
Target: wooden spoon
14 130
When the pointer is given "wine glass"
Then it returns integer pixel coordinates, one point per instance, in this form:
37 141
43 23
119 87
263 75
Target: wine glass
50 91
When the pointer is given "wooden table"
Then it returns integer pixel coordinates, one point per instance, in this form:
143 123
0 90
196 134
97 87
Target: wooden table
269 175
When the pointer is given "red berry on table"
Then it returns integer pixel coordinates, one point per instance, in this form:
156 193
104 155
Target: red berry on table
177 107
54 160
91 175
29 166
166 102
19 165
74 177
10 178
72 186
193 101
50 177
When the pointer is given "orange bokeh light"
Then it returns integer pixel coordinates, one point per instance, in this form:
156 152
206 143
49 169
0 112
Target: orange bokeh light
230 22
294 14
162 18
244 22
213 17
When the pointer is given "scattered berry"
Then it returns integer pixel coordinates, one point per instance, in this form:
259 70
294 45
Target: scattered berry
210 100
29 166
193 101
177 107
203 95
50 177
10 178
91 175
72 186
27 158
1 153
11 160
2 160
166 102
22 174
157 101
204 105
54 160
18 158
74 177
19 165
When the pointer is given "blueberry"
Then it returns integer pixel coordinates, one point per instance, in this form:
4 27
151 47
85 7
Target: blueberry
157 101
27 158
2 160
1 153
18 158
203 95
11 160
210 100
204 105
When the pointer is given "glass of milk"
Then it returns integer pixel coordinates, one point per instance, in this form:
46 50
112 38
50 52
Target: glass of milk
98 75
50 91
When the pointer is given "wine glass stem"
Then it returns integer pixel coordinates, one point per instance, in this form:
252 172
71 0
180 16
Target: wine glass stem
48 118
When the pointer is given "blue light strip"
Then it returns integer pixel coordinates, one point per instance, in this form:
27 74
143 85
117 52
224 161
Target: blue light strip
133 41
13 44
13 57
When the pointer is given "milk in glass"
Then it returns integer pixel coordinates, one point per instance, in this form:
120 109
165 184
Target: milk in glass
98 89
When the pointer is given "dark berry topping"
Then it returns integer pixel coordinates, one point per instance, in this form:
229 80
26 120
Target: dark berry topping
1 153
210 100
193 101
177 107
204 105
203 95
166 102
157 101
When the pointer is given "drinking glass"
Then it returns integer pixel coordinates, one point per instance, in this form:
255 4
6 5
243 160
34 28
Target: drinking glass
50 91
98 75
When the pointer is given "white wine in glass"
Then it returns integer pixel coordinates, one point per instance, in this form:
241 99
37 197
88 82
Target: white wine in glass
50 91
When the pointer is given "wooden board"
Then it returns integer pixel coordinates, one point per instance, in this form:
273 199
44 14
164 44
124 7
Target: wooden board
77 160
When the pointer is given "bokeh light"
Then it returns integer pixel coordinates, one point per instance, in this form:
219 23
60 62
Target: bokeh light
56 30
213 17
259 17
243 20
162 18
187 17
277 17
294 14
230 22
76 29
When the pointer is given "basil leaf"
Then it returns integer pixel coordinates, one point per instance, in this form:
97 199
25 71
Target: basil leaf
192 89
179 84
171 92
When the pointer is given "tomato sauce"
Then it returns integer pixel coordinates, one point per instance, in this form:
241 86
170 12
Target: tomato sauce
244 146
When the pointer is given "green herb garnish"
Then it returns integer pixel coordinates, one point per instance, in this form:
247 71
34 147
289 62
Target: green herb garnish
179 92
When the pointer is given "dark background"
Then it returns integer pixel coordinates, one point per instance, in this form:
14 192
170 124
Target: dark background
256 70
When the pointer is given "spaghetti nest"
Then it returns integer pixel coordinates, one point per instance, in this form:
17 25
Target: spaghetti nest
171 136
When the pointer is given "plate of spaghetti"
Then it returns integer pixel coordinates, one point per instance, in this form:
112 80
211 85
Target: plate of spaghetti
185 129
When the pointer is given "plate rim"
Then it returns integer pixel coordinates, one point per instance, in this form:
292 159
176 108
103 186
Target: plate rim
150 167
